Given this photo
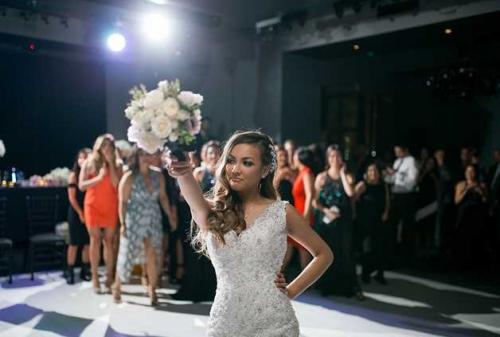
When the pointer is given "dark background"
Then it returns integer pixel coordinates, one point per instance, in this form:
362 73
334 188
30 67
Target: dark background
50 107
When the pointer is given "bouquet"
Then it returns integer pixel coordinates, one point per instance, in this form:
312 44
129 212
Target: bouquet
163 116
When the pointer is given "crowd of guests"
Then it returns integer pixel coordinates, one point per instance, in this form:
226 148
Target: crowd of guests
377 213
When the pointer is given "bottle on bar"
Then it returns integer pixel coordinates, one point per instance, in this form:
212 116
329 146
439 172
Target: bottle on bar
13 177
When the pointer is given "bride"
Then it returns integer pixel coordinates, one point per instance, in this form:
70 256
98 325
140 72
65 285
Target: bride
243 228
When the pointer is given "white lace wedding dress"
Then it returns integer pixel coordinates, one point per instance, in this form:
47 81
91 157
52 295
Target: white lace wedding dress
247 303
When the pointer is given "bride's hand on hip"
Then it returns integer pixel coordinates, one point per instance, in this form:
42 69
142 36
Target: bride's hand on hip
280 283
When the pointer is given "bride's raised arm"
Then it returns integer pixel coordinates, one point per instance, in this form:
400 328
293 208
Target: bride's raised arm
190 189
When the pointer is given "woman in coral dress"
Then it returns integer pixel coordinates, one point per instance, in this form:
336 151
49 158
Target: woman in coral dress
99 178
303 194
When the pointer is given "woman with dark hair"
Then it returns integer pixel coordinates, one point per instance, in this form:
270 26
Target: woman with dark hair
284 177
334 190
78 235
199 282
141 224
99 178
373 204
470 197
243 228
303 194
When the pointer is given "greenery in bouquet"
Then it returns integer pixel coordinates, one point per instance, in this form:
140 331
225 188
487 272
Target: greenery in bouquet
165 114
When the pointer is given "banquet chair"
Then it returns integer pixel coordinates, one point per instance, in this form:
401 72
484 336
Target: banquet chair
6 253
45 246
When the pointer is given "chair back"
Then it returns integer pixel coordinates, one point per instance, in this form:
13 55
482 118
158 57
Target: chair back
42 213
3 216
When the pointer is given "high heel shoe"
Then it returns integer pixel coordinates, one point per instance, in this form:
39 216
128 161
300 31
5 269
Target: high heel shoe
84 272
97 287
70 275
117 293
108 284
153 298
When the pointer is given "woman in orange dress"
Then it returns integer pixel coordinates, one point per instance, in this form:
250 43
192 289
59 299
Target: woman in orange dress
303 194
99 178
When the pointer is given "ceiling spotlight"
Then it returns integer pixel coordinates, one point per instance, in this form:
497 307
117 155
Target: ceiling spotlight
116 42
356 47
159 2
156 27
448 31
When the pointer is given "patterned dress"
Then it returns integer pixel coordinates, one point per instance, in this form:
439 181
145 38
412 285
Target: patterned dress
247 302
142 220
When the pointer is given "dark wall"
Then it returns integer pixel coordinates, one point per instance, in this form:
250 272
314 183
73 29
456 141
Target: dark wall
407 109
49 108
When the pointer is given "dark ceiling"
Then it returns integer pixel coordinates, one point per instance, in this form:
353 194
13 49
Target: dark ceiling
469 35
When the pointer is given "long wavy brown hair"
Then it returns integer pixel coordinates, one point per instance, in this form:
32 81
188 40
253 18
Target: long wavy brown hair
226 212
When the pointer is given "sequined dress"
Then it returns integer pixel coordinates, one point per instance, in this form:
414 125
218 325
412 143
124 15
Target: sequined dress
247 302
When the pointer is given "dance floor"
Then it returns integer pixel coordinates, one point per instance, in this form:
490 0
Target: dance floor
408 306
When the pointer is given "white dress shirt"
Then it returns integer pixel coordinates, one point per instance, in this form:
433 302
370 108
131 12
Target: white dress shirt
404 180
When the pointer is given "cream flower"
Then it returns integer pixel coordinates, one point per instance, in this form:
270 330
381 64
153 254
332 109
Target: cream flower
171 107
133 109
143 119
161 126
163 85
153 99
150 143
134 133
183 115
190 99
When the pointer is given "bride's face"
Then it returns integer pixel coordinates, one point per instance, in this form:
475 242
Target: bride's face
244 167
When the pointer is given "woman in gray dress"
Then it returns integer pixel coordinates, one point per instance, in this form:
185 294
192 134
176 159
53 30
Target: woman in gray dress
139 191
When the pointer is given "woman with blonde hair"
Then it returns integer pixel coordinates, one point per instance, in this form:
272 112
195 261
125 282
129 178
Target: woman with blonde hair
99 178
243 229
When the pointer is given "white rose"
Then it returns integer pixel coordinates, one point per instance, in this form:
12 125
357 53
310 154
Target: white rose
134 133
143 118
161 126
2 149
197 99
133 109
150 143
163 85
153 99
186 98
171 107
183 115
130 112
175 124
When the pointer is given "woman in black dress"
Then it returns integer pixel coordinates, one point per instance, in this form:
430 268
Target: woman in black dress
78 235
373 202
470 197
199 282
284 176
334 189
